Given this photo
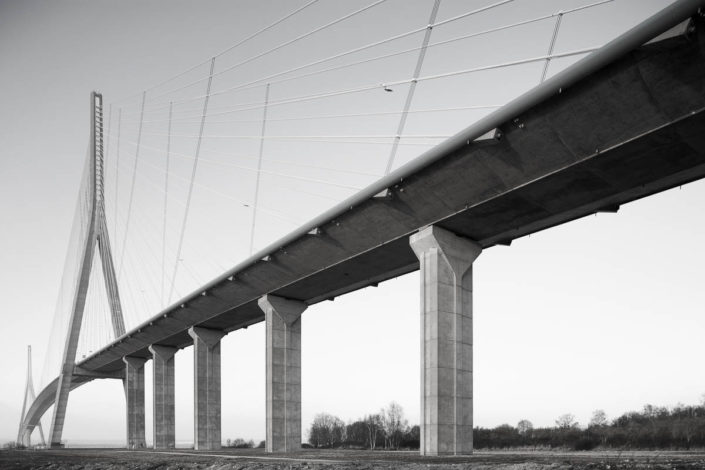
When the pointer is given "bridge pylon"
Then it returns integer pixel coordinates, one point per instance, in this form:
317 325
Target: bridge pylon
97 235
24 438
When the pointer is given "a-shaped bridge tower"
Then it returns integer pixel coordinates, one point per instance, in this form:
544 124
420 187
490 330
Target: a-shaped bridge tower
29 397
92 232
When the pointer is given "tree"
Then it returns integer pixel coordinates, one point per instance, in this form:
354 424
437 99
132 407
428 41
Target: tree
394 424
326 431
505 435
598 425
524 427
599 419
412 438
374 426
649 410
356 433
240 443
566 421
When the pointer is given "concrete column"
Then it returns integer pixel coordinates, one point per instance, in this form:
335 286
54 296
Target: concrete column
164 415
283 320
446 340
134 392
206 393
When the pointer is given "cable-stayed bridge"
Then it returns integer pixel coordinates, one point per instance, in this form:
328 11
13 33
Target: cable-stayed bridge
617 125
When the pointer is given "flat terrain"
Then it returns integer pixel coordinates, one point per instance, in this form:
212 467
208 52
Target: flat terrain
242 459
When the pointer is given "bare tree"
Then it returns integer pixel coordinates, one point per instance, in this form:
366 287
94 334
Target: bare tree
394 424
356 433
566 421
524 427
649 410
326 430
316 435
374 425
598 425
599 419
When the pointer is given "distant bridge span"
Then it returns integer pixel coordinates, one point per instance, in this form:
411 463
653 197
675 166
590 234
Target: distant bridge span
621 124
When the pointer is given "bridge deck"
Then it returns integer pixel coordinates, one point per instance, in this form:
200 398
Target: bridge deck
628 130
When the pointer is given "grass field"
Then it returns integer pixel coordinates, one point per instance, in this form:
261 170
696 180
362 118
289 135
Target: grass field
241 459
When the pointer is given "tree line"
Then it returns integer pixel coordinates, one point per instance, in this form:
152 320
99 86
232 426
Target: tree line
386 429
679 427
240 443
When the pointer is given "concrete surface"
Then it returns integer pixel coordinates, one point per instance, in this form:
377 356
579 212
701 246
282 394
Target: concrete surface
134 393
164 424
283 321
446 340
206 391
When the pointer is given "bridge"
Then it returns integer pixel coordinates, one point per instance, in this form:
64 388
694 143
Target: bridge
622 123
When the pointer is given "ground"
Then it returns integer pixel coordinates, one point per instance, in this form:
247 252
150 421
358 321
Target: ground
239 459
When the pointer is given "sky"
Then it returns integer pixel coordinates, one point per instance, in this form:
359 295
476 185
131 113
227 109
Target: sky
602 313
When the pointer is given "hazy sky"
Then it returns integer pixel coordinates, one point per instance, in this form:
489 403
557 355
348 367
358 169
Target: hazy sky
605 312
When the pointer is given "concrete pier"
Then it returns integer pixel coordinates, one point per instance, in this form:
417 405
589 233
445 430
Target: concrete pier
206 393
283 324
134 393
446 340
164 411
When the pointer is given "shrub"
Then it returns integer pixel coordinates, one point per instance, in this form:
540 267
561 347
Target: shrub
241 443
585 443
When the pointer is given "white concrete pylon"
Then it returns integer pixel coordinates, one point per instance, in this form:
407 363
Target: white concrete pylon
164 412
446 340
206 394
134 393
283 325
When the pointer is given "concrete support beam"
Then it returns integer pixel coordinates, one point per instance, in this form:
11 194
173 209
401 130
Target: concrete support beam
206 394
446 340
81 372
164 411
283 323
134 392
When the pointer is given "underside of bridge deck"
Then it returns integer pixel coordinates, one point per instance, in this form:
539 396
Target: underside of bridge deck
629 130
